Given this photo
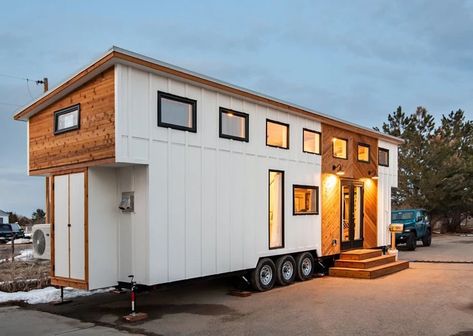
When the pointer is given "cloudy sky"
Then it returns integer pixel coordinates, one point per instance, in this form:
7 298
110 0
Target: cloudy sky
356 60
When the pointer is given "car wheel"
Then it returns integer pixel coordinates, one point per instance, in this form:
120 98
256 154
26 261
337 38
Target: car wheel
411 242
427 239
263 276
285 270
305 266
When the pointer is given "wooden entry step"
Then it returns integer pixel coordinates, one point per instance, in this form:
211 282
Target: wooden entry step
366 264
361 254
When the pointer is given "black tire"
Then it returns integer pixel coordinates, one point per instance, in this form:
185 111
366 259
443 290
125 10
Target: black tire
285 270
411 242
264 275
427 239
305 266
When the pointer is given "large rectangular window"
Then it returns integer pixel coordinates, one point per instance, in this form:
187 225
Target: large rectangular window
363 153
277 134
177 112
383 157
276 209
67 119
311 141
306 200
234 125
340 148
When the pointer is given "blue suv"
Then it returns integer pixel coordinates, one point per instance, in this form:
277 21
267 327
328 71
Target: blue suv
416 227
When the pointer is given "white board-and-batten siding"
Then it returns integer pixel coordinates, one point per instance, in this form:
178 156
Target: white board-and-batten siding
387 179
207 198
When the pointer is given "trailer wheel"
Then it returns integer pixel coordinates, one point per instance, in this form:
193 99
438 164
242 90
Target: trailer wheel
305 266
263 276
285 270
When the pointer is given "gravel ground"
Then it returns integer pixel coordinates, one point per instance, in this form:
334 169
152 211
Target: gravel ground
427 299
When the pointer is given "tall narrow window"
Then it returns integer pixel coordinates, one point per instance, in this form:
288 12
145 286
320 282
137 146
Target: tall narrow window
276 209
311 141
177 112
67 119
363 152
383 157
339 147
234 125
305 200
277 134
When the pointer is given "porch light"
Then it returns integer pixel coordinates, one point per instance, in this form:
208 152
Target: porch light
372 174
338 169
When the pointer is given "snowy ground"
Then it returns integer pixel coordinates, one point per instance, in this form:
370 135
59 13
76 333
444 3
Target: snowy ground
21 241
48 294
23 256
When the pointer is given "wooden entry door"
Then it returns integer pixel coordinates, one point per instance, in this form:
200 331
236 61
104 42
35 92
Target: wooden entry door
69 226
352 214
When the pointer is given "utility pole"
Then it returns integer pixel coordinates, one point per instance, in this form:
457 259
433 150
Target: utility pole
45 83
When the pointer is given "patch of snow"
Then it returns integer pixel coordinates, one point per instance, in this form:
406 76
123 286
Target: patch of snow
48 294
21 241
25 255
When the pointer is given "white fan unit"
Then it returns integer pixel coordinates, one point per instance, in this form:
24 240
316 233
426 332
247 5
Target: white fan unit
41 241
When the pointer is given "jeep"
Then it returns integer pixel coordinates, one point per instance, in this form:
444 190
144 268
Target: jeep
416 227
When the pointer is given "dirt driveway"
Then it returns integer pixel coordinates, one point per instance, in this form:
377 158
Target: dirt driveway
427 299
444 248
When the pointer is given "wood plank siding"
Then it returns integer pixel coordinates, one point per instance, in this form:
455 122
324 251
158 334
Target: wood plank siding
353 169
92 143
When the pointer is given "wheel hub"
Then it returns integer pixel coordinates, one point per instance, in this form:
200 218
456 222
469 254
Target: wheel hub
287 270
306 266
266 275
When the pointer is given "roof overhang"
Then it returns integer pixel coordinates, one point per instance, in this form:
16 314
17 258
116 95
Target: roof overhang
121 56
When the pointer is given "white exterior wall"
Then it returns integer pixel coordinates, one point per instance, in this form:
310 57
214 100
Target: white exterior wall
133 233
207 196
103 229
4 220
387 180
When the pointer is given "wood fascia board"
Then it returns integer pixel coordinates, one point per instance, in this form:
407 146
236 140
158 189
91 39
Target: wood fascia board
66 87
117 55
177 73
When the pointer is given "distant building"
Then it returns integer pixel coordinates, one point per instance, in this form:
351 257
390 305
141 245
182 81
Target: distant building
4 216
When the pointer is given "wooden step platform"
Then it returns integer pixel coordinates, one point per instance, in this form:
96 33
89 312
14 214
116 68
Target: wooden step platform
366 264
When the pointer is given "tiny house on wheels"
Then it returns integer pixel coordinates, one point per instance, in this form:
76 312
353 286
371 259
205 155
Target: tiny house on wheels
160 172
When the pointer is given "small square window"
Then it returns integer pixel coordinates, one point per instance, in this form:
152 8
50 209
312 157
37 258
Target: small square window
306 200
311 141
383 157
177 112
339 147
277 134
67 119
234 125
363 152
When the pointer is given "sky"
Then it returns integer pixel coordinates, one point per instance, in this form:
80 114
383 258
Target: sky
355 60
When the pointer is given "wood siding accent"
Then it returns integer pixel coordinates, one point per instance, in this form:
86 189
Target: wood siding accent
330 214
351 166
331 217
370 220
91 144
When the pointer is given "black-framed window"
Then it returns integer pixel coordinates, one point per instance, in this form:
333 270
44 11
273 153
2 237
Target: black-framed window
305 200
311 141
67 119
276 209
234 125
363 152
383 157
177 112
277 134
340 148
